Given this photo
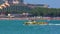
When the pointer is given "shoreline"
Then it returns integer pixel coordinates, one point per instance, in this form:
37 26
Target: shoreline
32 18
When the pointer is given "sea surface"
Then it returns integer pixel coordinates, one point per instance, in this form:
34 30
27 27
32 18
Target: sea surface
18 27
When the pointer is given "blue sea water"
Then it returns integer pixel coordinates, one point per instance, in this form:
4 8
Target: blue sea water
17 27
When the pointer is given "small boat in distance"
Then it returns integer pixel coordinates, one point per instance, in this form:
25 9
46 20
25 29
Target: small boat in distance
33 22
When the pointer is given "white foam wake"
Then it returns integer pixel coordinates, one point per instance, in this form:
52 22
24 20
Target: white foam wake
49 24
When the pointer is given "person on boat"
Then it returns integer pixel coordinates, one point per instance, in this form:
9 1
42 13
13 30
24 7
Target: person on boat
33 21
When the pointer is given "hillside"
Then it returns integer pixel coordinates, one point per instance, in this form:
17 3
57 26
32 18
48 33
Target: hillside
51 12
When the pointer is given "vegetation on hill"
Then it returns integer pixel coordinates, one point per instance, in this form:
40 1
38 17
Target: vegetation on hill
52 12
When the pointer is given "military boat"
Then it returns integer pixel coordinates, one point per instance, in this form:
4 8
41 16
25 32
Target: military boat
35 23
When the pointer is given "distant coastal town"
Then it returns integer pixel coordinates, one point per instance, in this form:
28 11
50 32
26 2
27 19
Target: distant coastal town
17 9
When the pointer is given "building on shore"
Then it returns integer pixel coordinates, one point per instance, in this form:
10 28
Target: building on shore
37 5
21 3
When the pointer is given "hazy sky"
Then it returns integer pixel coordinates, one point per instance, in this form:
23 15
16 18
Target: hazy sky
51 3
